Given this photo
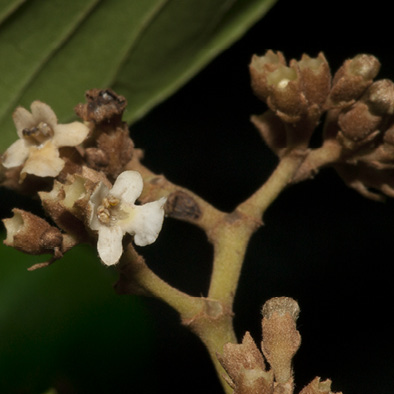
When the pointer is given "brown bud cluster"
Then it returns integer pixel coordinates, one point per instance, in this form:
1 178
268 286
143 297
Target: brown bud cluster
245 364
358 127
295 91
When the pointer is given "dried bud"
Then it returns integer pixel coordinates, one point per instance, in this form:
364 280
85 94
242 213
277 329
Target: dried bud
352 79
260 67
102 105
111 152
245 367
31 234
281 339
318 387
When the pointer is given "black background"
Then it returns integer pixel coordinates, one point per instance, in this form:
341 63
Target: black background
322 243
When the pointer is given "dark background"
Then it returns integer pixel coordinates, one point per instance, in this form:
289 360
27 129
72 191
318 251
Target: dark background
322 243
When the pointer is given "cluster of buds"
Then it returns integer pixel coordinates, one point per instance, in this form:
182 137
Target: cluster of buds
358 129
81 175
246 366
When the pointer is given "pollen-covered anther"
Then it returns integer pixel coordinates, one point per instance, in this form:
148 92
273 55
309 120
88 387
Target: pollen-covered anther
106 213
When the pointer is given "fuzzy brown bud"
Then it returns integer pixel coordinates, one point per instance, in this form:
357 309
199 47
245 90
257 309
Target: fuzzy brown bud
244 364
260 67
358 126
286 97
380 97
31 234
318 387
352 79
316 78
281 339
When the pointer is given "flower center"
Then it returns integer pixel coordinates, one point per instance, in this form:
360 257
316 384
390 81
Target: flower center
109 212
38 134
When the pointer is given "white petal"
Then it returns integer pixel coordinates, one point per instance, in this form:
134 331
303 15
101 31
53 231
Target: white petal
43 113
43 161
128 186
16 154
71 134
145 222
109 244
100 192
23 119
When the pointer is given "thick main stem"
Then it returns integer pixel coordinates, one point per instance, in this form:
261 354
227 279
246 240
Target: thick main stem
232 236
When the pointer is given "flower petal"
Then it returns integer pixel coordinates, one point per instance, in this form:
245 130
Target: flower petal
43 161
43 113
128 186
109 244
71 134
16 154
145 222
100 192
23 119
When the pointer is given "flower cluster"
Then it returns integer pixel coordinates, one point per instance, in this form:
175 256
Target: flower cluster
92 193
358 128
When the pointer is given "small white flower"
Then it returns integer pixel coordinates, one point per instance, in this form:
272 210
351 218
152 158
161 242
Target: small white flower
113 214
40 137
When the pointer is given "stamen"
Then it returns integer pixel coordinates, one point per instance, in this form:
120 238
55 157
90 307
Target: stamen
38 134
108 212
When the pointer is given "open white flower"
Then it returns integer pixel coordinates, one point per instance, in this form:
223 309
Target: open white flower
113 214
40 137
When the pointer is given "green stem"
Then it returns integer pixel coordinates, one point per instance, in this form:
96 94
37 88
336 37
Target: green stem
233 234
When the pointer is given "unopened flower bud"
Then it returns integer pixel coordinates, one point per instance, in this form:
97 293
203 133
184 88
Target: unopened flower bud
260 67
358 126
31 234
380 97
286 97
281 339
352 79
316 78
245 367
318 387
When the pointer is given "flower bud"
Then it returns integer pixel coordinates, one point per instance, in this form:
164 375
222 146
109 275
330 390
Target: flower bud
316 78
31 234
358 126
286 97
318 387
281 339
380 97
260 67
245 367
352 78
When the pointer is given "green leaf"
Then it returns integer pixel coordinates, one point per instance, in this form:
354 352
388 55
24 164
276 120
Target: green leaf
55 50
49 314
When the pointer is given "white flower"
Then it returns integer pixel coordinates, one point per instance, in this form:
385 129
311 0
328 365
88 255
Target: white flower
113 214
40 137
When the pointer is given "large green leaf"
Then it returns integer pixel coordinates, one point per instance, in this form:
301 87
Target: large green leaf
55 50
